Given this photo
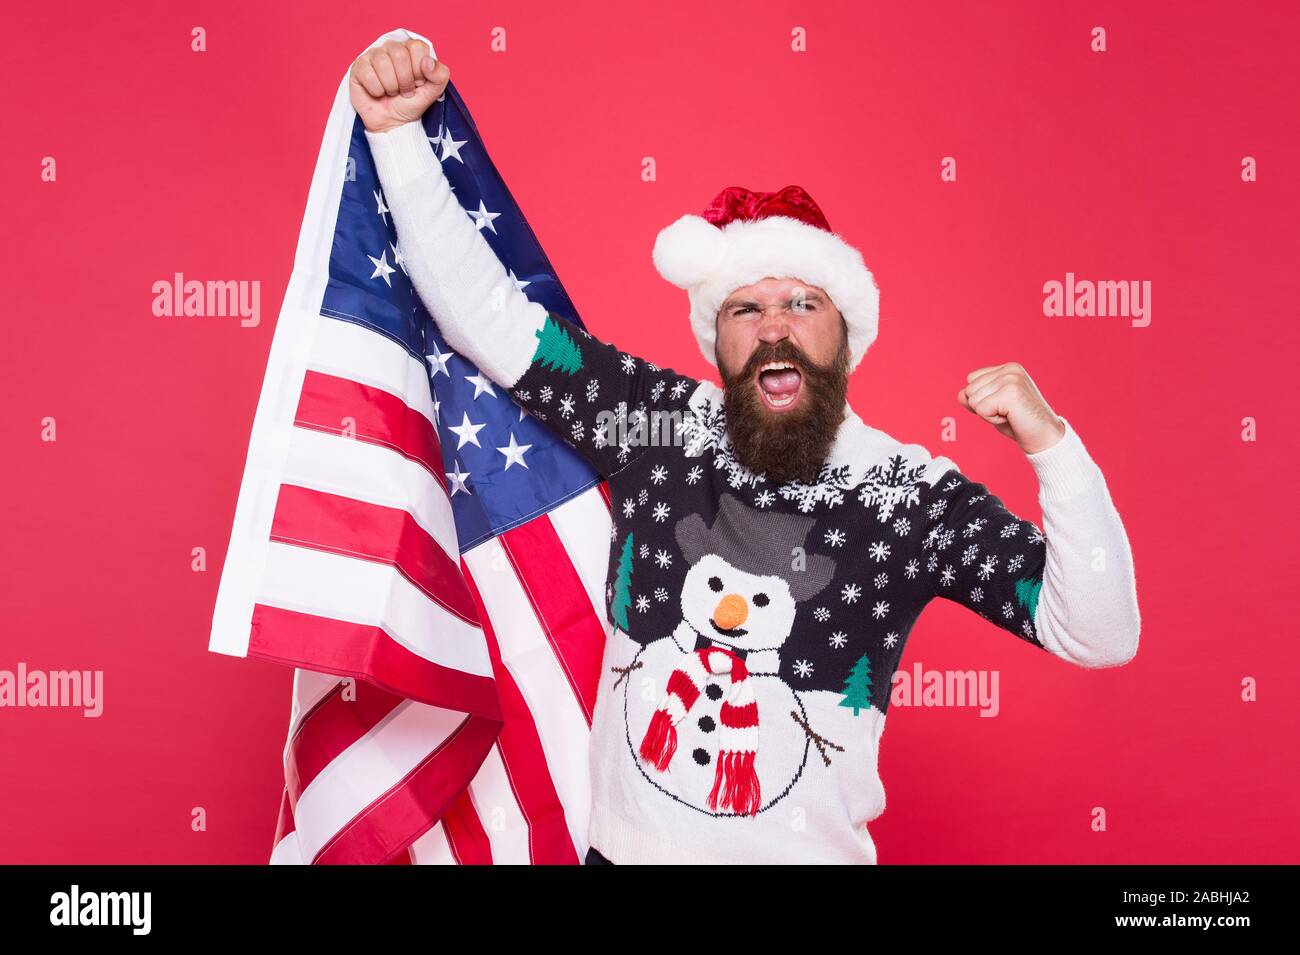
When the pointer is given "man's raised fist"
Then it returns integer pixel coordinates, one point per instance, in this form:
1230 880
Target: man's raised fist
394 83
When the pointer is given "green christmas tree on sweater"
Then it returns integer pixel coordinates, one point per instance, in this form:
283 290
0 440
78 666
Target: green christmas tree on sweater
1027 590
556 349
857 688
623 586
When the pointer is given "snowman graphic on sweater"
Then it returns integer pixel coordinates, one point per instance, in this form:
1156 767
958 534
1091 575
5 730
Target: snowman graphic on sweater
722 731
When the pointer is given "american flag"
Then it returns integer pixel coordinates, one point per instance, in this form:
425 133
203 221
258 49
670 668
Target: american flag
436 583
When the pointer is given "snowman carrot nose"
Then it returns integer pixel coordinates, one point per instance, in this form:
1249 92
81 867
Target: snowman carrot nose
730 612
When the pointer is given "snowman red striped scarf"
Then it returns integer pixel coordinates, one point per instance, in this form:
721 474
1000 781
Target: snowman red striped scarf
735 782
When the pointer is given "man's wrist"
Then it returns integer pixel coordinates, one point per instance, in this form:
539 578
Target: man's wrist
1064 469
402 153
1057 433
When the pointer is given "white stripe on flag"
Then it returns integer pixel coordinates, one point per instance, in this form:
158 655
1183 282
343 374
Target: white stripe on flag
368 768
531 660
499 812
582 525
432 848
373 474
348 350
366 592
309 688
288 852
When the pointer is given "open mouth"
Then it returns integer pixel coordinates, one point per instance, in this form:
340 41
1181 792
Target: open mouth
780 384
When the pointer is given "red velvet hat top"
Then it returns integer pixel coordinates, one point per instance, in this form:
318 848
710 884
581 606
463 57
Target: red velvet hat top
737 202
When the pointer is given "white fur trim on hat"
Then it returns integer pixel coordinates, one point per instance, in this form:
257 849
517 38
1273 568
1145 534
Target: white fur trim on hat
710 263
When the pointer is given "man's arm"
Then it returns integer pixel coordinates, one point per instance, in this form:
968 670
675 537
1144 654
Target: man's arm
550 365
1068 588
458 277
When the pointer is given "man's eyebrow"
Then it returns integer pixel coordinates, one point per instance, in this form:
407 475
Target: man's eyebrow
806 296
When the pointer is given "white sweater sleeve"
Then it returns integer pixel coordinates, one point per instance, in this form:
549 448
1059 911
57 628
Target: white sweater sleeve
1087 610
1068 588
457 275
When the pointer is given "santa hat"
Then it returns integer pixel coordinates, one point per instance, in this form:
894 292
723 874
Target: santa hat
744 237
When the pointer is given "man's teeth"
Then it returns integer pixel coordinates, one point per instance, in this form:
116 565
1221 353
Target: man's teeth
777 400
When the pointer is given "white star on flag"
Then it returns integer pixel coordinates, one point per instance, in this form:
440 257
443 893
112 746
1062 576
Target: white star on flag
382 268
451 147
514 452
482 217
467 431
383 209
438 362
519 286
481 385
457 478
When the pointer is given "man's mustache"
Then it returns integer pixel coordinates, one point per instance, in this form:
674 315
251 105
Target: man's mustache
780 352
812 372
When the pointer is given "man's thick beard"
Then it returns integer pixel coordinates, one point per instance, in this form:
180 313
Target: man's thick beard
788 445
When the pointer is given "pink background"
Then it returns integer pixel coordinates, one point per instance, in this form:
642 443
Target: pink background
1121 165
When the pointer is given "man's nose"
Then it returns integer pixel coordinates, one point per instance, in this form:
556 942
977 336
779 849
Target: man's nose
773 328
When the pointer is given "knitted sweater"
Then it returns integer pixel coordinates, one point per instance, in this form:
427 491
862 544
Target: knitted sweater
755 626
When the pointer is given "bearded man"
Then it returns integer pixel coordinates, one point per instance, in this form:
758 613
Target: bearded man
765 569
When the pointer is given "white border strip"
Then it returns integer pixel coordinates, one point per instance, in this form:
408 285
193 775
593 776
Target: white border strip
291 348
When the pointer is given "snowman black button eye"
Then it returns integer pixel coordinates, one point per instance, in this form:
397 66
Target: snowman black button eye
715 583
760 600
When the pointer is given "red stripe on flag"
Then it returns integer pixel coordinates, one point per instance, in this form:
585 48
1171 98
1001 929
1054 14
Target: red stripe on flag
367 653
560 603
285 825
466 837
328 403
604 492
392 822
330 727
385 535
549 842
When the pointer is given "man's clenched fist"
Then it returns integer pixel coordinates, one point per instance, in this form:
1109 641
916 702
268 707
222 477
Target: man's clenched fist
395 83
1007 398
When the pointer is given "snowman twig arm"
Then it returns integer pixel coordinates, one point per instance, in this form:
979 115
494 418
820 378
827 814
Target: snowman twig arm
821 742
624 672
